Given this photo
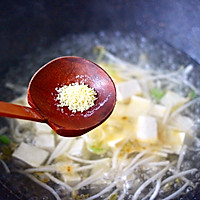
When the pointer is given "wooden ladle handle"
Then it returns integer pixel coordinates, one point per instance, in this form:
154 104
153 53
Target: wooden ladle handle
20 112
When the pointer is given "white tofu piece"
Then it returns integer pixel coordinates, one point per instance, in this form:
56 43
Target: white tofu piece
187 139
181 123
119 110
44 141
172 99
138 106
32 155
127 89
143 106
176 140
79 148
182 138
147 129
42 128
105 164
113 142
21 101
72 180
157 110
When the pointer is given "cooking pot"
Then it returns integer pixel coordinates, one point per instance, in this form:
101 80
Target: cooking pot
34 32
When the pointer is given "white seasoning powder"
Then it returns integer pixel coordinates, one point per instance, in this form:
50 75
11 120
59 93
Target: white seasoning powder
78 97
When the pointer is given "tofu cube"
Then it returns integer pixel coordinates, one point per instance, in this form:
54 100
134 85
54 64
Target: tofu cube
72 180
181 123
188 139
120 110
147 129
138 106
172 99
30 154
45 141
175 139
78 148
42 128
143 106
157 110
127 89
180 139
21 101
115 140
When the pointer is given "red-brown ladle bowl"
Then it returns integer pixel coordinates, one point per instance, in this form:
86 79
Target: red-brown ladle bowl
42 96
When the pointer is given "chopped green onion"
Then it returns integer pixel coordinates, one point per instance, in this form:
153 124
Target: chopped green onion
4 139
97 150
192 94
113 197
157 93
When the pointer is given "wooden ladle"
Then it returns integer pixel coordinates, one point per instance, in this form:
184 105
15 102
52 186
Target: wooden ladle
42 96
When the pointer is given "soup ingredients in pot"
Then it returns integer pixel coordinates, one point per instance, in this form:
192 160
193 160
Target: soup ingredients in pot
138 153
77 97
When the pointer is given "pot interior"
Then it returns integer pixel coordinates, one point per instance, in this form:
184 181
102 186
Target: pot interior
129 47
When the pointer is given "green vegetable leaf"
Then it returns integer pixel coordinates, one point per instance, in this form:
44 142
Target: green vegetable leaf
4 139
157 93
